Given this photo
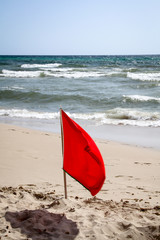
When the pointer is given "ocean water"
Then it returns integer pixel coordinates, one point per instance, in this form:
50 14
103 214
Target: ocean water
101 90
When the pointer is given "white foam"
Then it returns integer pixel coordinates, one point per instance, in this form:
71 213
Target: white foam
76 74
84 116
57 69
24 113
20 74
120 116
117 116
12 88
138 123
47 65
122 113
139 98
144 76
115 72
63 73
57 72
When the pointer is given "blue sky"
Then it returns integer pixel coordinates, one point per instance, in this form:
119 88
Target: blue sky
83 27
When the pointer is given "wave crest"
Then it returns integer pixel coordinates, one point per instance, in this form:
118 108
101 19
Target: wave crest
117 116
24 113
144 76
63 73
51 71
20 74
47 65
139 98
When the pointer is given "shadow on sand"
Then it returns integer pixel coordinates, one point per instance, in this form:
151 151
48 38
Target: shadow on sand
41 224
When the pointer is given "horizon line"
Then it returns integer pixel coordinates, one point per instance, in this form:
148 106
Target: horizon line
146 54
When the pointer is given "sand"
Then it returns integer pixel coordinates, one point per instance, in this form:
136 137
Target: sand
32 203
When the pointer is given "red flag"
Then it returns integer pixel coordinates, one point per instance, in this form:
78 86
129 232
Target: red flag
82 159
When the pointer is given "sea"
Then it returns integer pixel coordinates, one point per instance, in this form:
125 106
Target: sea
93 90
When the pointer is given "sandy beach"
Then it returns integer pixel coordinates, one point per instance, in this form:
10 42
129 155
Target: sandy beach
32 203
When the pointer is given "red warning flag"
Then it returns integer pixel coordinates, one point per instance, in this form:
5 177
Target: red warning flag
82 159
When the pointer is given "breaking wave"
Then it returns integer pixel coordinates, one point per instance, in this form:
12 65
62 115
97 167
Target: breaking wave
24 113
139 98
20 74
117 116
120 116
12 88
144 76
58 73
47 65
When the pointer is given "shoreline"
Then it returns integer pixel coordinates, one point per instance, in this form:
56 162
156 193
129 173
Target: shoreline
31 181
147 137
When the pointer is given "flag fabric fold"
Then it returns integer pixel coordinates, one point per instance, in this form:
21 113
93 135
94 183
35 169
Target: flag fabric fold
82 159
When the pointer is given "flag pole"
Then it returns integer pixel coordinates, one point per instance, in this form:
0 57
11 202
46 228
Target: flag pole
62 140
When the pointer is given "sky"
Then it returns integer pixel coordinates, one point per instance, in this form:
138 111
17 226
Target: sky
79 27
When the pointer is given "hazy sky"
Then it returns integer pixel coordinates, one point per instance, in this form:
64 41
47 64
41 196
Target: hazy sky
71 27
